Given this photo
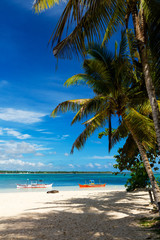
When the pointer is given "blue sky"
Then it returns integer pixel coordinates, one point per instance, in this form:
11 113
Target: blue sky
31 88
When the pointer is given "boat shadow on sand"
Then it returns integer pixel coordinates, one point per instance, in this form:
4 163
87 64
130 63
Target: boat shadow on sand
100 216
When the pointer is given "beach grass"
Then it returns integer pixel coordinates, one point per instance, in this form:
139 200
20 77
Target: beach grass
151 223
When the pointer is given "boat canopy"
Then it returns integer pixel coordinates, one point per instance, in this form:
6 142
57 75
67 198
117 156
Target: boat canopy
91 181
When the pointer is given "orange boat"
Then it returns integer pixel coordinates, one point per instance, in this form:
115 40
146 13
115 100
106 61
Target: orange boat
92 184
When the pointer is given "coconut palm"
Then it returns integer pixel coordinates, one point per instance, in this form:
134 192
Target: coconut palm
94 17
116 93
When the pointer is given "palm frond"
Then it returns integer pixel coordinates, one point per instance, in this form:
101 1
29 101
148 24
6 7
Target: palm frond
90 128
92 21
78 79
146 110
130 147
100 76
117 18
82 138
40 5
96 104
98 117
118 134
97 68
142 126
132 43
99 53
123 45
71 105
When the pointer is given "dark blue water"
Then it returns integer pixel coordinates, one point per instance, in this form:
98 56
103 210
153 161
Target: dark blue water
10 180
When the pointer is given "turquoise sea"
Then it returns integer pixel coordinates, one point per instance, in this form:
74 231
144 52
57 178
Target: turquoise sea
63 181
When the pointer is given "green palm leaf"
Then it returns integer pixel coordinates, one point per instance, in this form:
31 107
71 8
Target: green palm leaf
90 128
90 18
97 104
40 5
142 126
71 105
130 151
117 18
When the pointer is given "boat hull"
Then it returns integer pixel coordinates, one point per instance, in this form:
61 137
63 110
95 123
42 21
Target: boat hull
91 185
34 186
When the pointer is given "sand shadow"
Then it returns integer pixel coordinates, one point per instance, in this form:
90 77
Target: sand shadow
107 216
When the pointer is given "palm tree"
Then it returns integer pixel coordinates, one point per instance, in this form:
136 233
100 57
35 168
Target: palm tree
116 93
93 17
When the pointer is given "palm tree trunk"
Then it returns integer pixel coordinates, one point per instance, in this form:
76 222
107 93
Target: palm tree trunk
141 38
152 96
155 187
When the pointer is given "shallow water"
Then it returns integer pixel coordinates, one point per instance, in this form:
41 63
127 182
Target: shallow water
63 182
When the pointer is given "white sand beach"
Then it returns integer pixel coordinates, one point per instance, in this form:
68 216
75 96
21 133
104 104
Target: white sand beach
74 215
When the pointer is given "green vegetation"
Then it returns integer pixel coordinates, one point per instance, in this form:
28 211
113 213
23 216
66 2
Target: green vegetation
151 223
138 177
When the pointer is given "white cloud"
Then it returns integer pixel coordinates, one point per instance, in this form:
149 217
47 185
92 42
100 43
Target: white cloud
71 165
90 165
105 166
40 164
16 162
40 130
97 165
102 157
13 149
18 148
66 154
39 154
63 137
59 137
20 116
16 133
40 147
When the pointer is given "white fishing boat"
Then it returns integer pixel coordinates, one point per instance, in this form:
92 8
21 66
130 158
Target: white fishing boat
34 184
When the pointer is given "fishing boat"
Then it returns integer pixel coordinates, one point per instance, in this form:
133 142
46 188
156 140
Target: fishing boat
92 184
34 184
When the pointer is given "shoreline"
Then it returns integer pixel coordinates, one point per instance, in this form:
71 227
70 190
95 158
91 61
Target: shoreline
58 172
64 188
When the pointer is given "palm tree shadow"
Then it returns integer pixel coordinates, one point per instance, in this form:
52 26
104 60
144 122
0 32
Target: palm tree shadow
107 216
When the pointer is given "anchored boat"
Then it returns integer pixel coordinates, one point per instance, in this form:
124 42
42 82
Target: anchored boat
34 184
92 184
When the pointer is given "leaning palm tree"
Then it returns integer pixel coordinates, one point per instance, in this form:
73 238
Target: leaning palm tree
94 17
116 93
